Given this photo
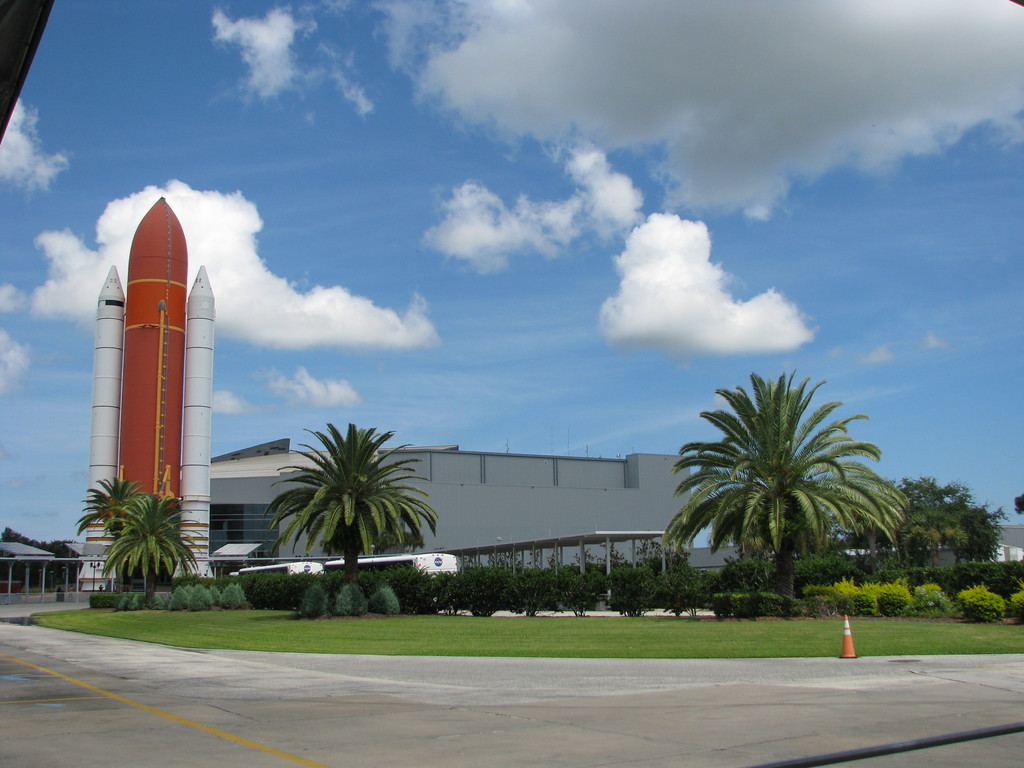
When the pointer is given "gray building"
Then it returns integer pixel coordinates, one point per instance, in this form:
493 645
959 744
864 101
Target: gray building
486 502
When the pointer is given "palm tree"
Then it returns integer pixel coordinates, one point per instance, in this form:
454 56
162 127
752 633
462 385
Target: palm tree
108 503
354 493
779 482
150 540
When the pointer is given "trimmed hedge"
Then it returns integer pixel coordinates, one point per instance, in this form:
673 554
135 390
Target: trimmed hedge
581 592
1001 578
632 590
533 590
753 605
481 591
104 599
685 589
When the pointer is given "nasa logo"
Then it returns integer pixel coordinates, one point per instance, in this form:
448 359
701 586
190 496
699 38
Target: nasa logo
307 568
438 562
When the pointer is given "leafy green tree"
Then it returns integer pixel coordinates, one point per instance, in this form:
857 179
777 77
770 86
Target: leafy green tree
940 516
108 503
781 478
150 540
354 492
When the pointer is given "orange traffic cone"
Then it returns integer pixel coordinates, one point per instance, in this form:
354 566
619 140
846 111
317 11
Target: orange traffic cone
848 652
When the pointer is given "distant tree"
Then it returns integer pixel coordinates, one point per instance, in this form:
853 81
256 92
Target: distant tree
781 478
149 540
355 492
947 515
1018 504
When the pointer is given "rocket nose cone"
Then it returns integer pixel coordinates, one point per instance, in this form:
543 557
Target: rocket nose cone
112 289
162 213
159 242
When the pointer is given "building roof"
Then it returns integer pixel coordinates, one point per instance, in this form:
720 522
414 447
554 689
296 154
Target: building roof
23 551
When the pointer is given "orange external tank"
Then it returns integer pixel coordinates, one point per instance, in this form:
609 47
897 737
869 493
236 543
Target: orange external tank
154 354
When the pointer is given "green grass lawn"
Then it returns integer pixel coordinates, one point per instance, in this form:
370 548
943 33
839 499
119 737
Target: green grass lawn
569 637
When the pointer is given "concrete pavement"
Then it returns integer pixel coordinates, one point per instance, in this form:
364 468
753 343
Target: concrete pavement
120 702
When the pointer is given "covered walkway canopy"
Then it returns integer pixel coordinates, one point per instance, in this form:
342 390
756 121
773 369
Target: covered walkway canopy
13 552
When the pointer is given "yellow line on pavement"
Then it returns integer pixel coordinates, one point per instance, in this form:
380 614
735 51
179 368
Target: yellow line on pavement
174 718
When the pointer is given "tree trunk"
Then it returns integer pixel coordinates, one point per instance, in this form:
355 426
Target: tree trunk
352 563
784 577
150 587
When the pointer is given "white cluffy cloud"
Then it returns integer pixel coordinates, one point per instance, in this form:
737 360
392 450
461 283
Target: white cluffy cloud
673 298
745 96
483 231
22 160
227 402
11 299
878 355
253 303
303 389
267 47
14 359
932 341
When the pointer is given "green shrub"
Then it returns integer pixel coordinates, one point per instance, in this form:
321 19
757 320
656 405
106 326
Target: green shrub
314 602
350 601
277 591
862 601
981 604
214 594
684 589
445 589
1016 604
827 569
159 603
385 601
482 591
827 605
726 604
774 605
581 592
844 598
751 574
893 599
103 599
929 601
179 599
199 598
1001 578
232 598
753 605
124 602
413 588
632 590
532 590
189 580
138 602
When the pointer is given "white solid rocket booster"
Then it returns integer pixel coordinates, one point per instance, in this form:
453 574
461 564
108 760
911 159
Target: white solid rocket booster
108 351
106 381
197 420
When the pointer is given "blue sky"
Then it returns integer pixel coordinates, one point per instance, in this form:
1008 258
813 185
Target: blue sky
531 226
